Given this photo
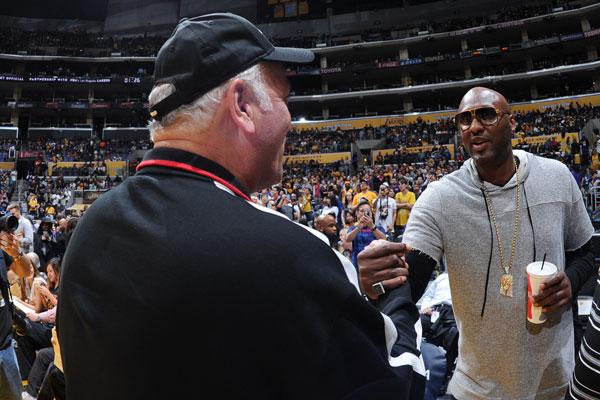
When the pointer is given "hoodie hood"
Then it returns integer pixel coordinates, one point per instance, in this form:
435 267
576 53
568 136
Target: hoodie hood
475 180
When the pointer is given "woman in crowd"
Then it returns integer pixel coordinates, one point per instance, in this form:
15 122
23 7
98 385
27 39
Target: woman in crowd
31 284
364 232
46 296
346 246
37 335
35 344
347 203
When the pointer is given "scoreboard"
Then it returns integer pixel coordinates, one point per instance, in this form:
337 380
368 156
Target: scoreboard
282 10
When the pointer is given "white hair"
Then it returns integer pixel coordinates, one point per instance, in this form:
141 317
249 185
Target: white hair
200 111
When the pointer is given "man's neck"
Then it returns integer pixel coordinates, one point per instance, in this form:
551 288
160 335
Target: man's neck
211 152
499 175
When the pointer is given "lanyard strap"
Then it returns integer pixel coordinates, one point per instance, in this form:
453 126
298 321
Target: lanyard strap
198 171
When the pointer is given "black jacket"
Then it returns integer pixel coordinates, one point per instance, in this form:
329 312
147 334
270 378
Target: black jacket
174 288
5 305
45 249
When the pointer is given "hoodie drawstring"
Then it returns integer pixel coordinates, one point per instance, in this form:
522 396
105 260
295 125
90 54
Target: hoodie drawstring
530 220
487 276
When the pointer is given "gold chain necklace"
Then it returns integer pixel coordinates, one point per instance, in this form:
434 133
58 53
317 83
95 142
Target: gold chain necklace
506 280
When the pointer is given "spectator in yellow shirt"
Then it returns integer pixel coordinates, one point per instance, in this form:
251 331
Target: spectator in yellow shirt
305 204
50 210
32 204
405 199
595 161
364 193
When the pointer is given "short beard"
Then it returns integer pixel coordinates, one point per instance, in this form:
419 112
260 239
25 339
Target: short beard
333 240
499 157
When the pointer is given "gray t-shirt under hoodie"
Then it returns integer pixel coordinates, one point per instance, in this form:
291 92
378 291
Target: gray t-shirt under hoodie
502 355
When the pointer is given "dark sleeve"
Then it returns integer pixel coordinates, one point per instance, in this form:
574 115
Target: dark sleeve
399 303
399 306
580 266
7 259
585 382
36 242
61 245
420 269
356 365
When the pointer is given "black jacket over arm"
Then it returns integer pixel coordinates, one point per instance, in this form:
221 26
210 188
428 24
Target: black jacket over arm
580 266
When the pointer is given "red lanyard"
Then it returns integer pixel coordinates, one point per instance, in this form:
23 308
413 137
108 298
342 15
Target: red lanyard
197 171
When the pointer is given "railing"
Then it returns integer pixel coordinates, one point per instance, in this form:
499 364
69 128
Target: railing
595 197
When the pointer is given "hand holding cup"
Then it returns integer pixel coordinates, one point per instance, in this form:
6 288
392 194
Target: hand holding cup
554 293
547 289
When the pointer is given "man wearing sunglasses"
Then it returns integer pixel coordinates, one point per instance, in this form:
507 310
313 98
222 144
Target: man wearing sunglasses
502 210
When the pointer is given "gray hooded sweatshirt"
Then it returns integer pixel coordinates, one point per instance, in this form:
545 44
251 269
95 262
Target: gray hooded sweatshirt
501 354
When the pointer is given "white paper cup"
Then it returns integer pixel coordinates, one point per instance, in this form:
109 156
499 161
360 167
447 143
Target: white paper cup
535 276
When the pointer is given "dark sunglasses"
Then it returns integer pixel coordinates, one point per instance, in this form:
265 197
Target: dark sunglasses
485 115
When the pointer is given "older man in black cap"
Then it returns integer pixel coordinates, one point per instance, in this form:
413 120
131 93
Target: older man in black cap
181 244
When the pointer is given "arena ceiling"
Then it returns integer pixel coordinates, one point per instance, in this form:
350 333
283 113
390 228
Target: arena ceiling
93 10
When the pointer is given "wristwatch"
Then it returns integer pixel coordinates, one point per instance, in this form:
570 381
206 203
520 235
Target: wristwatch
373 229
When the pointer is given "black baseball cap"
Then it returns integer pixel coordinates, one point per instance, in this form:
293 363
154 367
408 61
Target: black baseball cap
205 51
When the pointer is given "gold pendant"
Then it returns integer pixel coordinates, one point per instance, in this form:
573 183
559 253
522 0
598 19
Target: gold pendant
506 283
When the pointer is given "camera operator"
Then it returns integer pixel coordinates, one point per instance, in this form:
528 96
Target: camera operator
11 257
364 231
385 209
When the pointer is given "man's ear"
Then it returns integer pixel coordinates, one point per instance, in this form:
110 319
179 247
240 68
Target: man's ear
513 123
242 105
